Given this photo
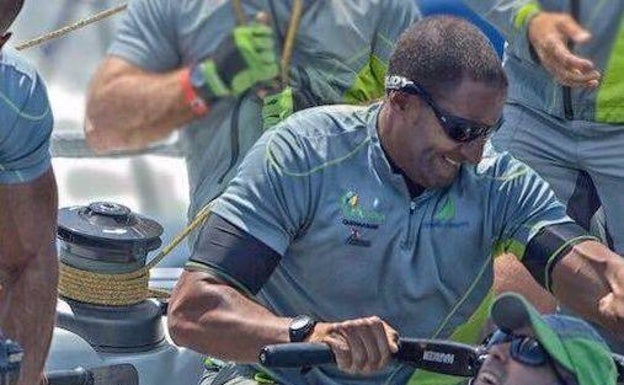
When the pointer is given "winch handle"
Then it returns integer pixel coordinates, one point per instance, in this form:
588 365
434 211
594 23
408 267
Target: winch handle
439 356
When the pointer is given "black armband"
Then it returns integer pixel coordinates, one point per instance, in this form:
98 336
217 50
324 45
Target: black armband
548 246
234 254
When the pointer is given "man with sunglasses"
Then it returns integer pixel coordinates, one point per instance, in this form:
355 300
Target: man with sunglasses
350 225
529 349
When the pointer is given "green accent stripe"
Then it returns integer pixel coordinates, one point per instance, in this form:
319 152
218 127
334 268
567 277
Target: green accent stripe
198 266
610 97
274 162
525 13
470 333
509 246
571 242
368 84
214 82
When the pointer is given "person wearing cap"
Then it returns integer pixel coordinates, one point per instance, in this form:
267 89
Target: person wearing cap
351 225
533 349
28 205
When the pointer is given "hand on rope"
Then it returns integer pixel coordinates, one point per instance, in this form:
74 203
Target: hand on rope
244 59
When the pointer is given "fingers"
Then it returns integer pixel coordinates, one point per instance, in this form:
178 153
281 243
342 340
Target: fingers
549 34
363 345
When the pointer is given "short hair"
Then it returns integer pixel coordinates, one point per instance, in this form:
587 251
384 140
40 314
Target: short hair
9 9
438 52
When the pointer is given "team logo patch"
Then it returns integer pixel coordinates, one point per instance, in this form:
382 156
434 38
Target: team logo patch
445 216
359 219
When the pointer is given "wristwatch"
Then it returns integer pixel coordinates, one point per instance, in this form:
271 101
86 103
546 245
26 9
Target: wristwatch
300 328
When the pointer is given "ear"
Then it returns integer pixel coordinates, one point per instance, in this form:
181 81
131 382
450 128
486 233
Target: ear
398 100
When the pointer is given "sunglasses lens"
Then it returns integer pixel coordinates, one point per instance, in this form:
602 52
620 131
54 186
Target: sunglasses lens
499 337
528 351
462 132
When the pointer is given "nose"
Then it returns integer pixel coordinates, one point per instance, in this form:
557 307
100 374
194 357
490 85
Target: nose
499 352
472 152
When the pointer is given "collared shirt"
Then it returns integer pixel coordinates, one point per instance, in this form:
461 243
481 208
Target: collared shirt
319 190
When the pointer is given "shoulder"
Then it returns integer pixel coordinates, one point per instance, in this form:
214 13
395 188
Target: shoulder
320 135
24 105
15 69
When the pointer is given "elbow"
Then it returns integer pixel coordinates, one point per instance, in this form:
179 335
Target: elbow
180 325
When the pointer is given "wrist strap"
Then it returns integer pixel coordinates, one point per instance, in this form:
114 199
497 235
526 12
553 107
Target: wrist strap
195 102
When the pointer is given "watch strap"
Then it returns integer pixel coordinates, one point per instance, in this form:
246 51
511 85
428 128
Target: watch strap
196 103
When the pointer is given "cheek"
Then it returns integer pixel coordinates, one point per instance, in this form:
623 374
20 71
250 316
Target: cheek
522 375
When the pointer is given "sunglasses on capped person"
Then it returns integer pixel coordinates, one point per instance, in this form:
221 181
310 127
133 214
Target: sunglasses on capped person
524 349
457 128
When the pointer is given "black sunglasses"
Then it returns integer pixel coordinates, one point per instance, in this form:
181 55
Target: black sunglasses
457 128
524 349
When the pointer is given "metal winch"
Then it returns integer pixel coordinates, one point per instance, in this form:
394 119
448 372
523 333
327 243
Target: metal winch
103 249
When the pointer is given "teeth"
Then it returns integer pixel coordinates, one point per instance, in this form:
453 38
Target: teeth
451 161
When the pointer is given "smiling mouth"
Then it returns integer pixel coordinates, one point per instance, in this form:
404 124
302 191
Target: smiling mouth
451 161
487 378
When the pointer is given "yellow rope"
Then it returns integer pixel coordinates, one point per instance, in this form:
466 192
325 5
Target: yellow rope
238 12
289 43
103 289
121 289
67 29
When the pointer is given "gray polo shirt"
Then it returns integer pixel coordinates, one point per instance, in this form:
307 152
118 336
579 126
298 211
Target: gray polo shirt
25 120
319 190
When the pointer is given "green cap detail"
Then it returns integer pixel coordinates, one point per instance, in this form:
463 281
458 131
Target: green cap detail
571 342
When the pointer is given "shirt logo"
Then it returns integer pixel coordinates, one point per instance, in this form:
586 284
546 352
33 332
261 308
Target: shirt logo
447 211
445 216
359 219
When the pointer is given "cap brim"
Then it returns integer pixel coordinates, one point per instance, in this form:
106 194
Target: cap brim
510 311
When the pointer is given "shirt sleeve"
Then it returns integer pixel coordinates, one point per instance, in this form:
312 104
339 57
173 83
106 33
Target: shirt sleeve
396 17
270 198
522 204
25 126
511 19
147 35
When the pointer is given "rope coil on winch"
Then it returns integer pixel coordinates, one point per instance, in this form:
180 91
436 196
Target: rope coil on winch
123 289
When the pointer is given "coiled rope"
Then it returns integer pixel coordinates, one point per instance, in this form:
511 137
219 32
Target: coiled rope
124 289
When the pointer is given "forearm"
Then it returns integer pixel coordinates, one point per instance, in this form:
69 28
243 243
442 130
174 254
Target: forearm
214 318
590 281
129 108
27 312
29 269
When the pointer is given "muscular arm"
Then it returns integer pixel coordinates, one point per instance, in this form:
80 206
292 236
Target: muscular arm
209 316
29 269
590 281
129 108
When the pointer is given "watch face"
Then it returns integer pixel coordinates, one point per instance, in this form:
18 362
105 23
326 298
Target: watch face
300 323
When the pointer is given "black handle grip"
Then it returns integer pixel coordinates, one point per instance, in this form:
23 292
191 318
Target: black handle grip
438 356
78 376
296 355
